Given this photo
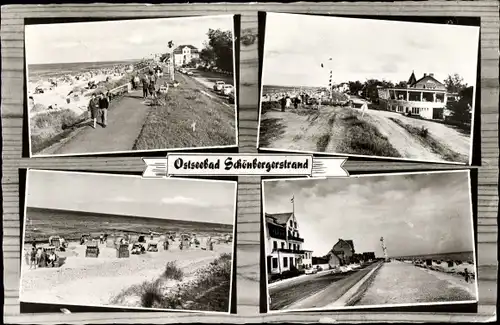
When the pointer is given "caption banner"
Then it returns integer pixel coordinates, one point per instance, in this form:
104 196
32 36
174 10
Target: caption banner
243 164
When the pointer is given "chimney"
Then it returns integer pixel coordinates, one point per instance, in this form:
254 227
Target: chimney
425 74
431 74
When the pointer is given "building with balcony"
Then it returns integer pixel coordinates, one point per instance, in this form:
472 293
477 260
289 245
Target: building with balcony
425 97
284 246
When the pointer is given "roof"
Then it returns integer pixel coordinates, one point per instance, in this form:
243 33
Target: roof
279 219
412 79
348 241
429 77
179 48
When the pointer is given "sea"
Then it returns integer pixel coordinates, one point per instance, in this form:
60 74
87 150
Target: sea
37 71
453 256
43 223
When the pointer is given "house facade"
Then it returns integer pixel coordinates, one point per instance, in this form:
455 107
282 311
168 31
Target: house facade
284 246
425 97
341 88
184 54
342 253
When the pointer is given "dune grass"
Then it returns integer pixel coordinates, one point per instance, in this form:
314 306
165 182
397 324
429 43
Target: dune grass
185 118
49 128
362 138
425 137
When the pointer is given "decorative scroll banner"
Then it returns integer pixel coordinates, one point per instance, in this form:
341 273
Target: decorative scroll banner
244 164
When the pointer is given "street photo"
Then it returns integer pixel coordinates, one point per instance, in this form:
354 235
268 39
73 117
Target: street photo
133 243
368 88
131 85
369 241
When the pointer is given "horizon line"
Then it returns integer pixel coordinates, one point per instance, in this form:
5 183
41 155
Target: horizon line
125 215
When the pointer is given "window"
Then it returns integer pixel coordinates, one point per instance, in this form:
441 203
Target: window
415 110
289 246
275 244
282 245
295 223
294 247
285 262
291 223
275 263
291 261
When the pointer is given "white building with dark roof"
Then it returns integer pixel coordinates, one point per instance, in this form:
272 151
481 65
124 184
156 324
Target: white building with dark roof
284 246
425 97
184 54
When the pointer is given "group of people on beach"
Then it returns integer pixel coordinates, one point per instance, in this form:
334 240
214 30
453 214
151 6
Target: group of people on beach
38 257
98 108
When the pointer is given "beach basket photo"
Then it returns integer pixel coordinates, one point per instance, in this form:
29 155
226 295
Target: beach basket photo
122 251
92 249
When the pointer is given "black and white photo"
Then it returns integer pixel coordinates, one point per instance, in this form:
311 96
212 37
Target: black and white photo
104 240
366 87
369 241
131 85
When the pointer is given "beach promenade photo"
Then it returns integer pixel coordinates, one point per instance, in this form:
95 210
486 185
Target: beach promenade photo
369 241
368 88
131 85
129 243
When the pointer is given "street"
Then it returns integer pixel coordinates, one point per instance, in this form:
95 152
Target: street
403 283
315 291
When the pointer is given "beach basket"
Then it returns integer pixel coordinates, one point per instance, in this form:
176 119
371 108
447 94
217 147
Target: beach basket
166 244
122 251
92 249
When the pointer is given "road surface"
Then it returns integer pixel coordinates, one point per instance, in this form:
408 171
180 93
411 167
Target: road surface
318 291
404 283
126 117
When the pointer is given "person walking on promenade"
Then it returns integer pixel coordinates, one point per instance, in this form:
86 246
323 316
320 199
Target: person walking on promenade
152 86
145 86
94 109
466 275
103 110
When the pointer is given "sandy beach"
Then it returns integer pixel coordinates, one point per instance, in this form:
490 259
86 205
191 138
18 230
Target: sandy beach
96 281
69 90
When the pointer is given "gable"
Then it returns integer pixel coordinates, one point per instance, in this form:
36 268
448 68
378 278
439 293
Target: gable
428 82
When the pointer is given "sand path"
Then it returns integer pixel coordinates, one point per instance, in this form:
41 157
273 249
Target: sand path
94 281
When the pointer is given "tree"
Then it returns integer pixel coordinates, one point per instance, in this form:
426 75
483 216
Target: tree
401 84
455 83
219 49
355 86
461 108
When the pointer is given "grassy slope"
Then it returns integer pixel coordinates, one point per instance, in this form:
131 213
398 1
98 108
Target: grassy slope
170 125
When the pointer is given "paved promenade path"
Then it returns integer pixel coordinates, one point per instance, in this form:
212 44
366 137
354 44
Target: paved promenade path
404 283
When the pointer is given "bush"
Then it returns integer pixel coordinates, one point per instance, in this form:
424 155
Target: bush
173 272
423 132
151 294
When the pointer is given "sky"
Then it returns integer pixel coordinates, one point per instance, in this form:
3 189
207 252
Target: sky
116 40
416 214
296 45
179 199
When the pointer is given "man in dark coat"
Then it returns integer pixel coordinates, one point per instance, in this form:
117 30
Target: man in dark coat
103 110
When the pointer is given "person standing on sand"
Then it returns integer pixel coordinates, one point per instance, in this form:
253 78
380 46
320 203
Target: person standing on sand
103 110
33 262
283 103
94 109
466 275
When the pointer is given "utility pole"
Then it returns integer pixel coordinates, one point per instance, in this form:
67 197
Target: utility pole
384 249
172 60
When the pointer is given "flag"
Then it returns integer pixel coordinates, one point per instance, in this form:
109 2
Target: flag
292 199
322 65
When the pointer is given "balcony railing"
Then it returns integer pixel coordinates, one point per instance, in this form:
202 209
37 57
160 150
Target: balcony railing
287 250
